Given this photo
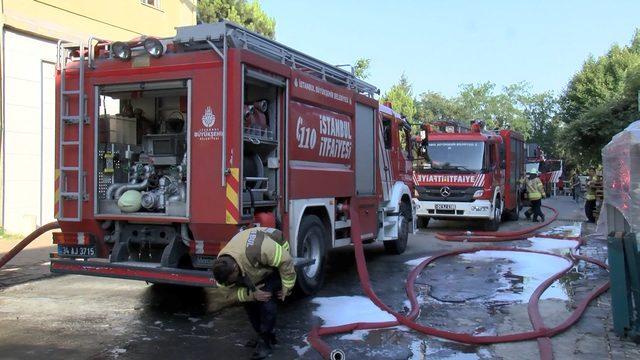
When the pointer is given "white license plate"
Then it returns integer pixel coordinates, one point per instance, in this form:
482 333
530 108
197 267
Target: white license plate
77 251
445 206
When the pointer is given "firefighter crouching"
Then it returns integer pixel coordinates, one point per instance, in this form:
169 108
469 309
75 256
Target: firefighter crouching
535 193
590 203
256 269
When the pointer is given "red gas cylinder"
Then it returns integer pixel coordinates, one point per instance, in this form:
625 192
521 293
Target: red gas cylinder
266 219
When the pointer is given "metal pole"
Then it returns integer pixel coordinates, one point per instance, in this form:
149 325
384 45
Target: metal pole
224 112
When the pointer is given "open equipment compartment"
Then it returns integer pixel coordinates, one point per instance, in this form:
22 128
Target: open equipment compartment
142 149
262 110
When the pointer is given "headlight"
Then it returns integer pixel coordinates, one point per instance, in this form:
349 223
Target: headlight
478 193
120 50
154 47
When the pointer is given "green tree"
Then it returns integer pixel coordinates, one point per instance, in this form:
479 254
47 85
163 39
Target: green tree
599 101
242 12
361 68
432 106
401 98
498 110
541 112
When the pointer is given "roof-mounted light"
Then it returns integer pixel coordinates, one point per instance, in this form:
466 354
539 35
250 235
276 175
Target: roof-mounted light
121 50
154 47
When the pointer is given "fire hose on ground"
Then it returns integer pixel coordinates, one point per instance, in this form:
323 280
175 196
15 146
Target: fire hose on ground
27 240
541 333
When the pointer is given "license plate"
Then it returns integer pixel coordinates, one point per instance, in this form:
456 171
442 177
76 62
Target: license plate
77 251
445 206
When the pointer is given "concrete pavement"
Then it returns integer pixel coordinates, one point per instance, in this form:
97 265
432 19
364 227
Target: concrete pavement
30 264
95 318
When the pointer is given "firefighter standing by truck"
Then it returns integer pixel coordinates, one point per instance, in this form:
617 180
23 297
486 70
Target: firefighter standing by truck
535 193
256 268
590 203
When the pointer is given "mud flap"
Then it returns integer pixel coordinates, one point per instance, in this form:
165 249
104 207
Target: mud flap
173 252
120 252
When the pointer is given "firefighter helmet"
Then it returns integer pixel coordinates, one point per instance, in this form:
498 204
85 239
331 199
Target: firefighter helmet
130 201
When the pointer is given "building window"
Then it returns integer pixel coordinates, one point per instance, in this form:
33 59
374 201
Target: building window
152 3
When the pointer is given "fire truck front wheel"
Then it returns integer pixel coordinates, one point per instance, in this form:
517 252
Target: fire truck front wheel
398 246
494 224
311 243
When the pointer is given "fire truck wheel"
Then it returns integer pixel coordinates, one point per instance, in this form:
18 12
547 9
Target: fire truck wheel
494 224
398 246
423 222
514 214
311 244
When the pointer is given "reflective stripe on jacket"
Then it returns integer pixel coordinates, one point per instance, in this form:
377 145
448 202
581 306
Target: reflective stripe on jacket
535 189
258 252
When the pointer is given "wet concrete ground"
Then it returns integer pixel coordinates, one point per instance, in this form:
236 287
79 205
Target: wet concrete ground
65 317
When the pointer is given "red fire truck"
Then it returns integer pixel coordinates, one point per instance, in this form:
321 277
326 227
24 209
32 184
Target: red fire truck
469 174
549 170
168 147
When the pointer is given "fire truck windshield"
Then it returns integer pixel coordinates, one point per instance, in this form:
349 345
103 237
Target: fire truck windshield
456 155
529 167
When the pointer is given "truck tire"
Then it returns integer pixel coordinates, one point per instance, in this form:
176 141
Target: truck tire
423 222
494 224
311 242
398 246
514 214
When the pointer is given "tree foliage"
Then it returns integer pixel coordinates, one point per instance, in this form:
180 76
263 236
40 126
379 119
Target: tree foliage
401 98
361 68
513 107
242 12
600 101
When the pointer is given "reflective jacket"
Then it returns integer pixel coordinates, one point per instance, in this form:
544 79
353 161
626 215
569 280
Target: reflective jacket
535 189
591 190
259 252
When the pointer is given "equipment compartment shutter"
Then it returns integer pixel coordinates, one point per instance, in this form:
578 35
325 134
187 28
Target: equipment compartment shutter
365 142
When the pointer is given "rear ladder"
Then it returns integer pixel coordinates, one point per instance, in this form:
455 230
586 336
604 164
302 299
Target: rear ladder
67 122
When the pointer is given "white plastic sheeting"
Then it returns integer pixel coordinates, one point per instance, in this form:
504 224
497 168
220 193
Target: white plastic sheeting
621 174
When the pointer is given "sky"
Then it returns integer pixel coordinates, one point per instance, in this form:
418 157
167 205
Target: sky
442 44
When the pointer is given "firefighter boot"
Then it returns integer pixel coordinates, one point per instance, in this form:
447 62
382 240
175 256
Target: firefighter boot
252 343
263 350
527 214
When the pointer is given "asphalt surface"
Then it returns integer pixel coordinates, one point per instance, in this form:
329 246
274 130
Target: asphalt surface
76 317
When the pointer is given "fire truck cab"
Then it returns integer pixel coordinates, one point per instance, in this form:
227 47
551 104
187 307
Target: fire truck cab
469 174
168 147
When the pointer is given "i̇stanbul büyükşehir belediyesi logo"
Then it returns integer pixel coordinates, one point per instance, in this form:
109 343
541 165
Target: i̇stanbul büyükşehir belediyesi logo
208 118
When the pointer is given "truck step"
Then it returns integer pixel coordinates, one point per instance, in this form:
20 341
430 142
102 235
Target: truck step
388 223
342 242
342 224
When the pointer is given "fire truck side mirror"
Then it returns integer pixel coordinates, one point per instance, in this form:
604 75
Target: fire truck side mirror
503 164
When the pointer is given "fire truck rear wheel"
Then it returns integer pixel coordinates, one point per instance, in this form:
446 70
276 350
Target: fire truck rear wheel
311 243
398 246
514 214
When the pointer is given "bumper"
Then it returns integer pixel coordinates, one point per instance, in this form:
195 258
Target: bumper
153 273
478 209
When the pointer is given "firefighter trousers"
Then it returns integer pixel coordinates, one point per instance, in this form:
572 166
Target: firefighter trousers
589 207
262 314
535 210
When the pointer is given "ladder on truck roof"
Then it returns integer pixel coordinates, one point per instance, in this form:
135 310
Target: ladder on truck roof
67 122
239 37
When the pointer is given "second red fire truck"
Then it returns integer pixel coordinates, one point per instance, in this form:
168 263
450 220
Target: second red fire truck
469 174
169 147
